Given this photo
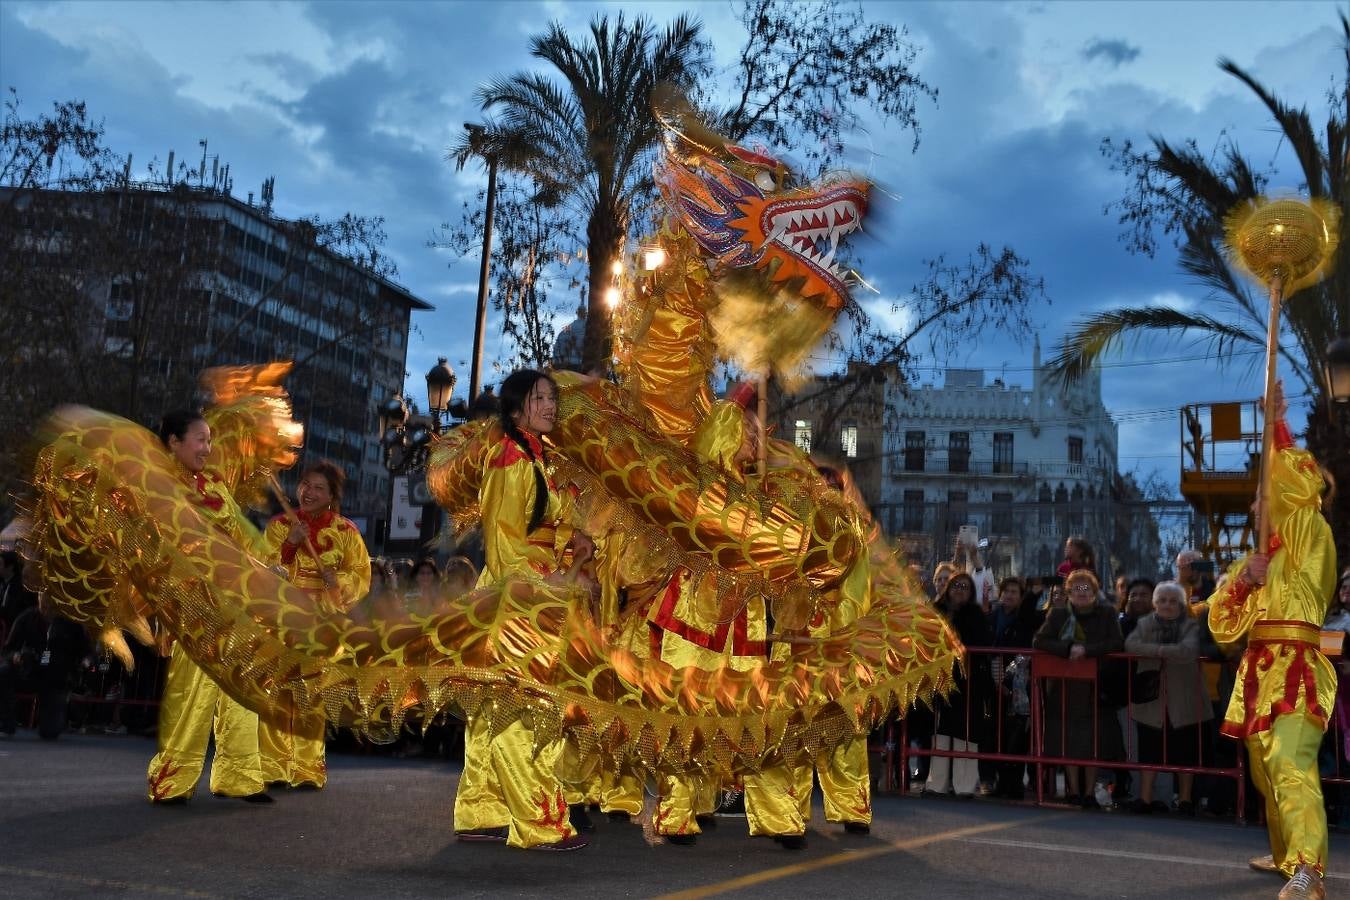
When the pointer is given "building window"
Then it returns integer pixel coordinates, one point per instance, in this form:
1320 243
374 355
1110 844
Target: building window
801 435
958 451
1003 453
914 451
1075 451
957 515
913 511
1001 522
848 441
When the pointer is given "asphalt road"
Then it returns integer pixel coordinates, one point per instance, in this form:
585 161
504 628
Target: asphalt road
74 823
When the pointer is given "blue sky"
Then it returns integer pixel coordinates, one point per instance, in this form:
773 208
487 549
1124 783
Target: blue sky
351 106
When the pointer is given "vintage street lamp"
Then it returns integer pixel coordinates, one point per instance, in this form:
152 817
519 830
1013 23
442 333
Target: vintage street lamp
405 442
1338 369
440 385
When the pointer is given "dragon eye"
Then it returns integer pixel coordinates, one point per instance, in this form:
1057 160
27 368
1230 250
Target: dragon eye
764 180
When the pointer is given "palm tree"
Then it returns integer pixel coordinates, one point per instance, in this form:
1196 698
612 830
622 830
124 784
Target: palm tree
1185 195
587 139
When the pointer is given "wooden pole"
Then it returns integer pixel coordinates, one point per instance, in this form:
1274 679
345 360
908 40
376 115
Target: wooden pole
1270 412
763 385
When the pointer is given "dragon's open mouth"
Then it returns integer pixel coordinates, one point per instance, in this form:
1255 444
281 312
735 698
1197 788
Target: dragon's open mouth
811 227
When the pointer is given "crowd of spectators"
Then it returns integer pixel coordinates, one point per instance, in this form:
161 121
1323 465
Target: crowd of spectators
1140 681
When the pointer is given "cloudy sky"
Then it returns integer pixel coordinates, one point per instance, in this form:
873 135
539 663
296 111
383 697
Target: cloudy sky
351 106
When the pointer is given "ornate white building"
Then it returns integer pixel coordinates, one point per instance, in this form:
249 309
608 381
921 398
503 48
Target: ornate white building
1028 466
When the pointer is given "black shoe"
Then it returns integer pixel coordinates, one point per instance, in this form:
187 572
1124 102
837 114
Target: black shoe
1139 807
618 815
706 821
857 828
1185 808
260 797
482 835
306 786
1089 802
681 840
280 783
580 818
180 800
791 841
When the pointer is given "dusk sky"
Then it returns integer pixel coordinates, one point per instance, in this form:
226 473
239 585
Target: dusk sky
352 106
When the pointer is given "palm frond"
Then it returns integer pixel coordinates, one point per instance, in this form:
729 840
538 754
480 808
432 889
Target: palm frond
1296 125
1093 337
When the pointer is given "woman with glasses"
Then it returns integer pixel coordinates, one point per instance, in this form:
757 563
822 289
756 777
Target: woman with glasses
1078 725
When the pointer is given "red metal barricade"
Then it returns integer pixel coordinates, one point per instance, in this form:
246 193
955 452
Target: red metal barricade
1049 684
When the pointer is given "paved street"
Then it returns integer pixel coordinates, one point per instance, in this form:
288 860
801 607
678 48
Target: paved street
74 823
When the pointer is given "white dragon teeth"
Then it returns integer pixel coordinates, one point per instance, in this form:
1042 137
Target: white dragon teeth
800 229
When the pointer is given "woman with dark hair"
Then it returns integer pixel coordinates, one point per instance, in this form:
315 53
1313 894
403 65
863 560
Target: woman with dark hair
526 533
961 715
322 553
1013 623
193 705
426 595
1137 603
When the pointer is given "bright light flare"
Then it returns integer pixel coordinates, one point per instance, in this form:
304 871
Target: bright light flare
612 297
653 258
616 267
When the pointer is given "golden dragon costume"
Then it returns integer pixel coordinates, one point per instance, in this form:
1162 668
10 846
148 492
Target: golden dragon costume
114 539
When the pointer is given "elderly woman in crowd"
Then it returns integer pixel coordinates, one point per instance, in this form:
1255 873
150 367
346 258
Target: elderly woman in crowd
1170 706
1077 723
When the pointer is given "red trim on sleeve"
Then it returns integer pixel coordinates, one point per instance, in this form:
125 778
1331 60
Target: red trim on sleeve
1284 438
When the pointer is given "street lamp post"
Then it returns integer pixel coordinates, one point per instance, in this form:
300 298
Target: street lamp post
476 135
407 444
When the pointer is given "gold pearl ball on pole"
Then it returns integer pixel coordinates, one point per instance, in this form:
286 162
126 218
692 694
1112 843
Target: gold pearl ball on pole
1287 245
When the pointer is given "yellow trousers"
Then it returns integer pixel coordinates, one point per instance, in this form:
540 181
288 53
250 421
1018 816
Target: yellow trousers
621 792
505 785
778 799
1283 762
293 755
192 707
682 801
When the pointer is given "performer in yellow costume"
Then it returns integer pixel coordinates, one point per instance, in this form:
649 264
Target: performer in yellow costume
685 625
337 579
507 791
778 799
192 704
1285 689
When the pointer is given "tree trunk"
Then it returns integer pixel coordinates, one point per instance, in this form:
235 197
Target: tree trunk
1328 438
604 236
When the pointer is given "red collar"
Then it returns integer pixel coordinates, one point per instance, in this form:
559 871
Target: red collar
211 501
536 446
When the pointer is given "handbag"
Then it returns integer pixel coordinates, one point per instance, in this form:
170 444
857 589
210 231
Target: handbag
1145 685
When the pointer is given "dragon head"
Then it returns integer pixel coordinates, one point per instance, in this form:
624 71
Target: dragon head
745 208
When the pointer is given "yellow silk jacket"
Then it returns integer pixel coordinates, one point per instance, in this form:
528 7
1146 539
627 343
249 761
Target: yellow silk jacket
213 499
340 548
1282 669
506 499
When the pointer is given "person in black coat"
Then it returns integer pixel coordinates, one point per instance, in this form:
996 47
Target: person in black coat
42 654
962 716
1013 623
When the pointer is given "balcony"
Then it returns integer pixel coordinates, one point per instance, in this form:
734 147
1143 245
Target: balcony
985 468
1080 471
